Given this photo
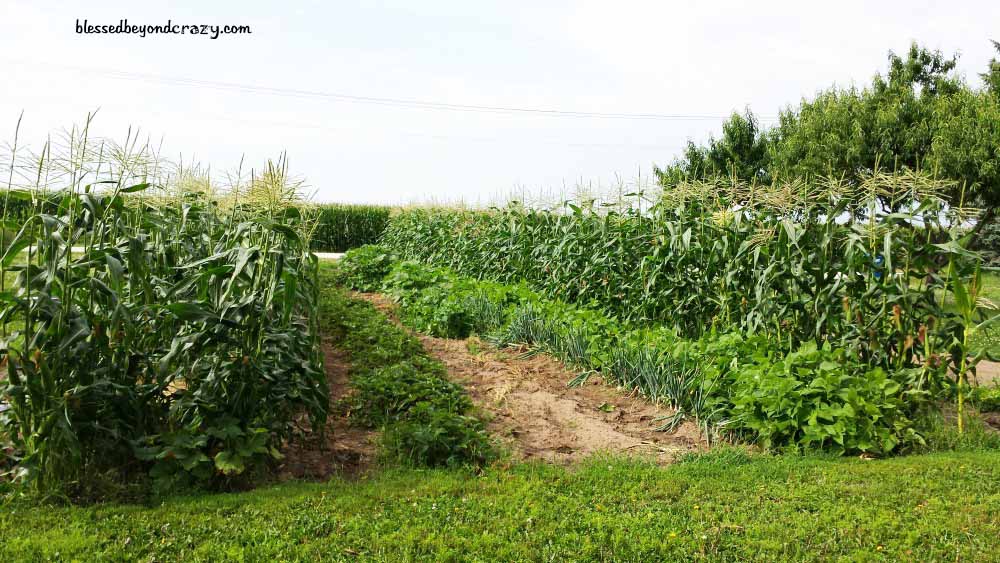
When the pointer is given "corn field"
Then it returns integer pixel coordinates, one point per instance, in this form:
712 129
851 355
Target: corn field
826 262
152 323
342 227
825 315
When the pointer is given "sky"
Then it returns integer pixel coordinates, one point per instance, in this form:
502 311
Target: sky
292 84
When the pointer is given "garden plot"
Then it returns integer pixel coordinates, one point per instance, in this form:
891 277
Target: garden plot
538 416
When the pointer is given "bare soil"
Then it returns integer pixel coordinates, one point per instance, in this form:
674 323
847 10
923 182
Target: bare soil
987 372
529 407
343 448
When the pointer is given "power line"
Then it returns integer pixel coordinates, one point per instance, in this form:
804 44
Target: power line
374 100
440 137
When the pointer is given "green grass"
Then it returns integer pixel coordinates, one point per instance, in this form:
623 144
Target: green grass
991 287
989 339
725 506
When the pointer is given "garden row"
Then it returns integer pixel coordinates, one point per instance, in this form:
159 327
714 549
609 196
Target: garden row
796 262
736 386
425 419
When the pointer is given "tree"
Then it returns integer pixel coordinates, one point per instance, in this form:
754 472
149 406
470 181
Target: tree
919 115
966 147
743 152
992 76
851 132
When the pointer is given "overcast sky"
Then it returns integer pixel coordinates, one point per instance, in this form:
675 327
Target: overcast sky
701 59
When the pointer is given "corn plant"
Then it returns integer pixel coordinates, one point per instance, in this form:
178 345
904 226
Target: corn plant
342 227
968 305
819 262
153 324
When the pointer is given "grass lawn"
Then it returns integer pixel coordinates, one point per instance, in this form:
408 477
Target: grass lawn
991 287
990 338
724 506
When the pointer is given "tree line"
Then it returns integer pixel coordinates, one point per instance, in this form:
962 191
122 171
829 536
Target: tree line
919 115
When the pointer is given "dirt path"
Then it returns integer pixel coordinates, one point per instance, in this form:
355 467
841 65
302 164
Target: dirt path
988 373
345 449
530 408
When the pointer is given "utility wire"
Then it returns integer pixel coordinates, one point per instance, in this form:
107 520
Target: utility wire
374 100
